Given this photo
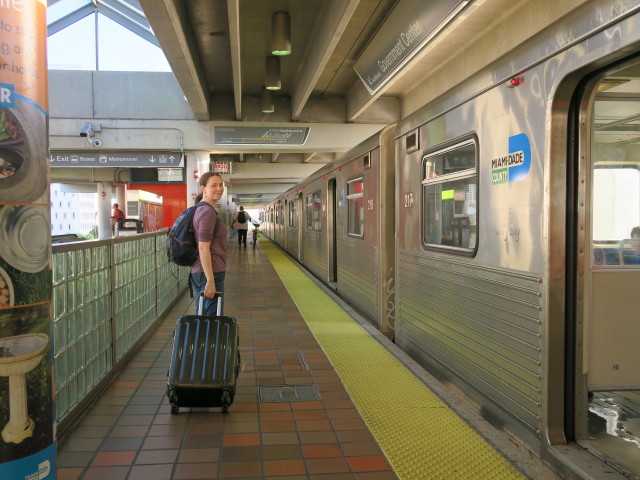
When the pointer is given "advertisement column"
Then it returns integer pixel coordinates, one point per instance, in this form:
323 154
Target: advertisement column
27 418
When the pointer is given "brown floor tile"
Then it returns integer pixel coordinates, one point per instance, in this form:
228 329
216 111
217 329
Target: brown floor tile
313 425
199 455
281 452
202 441
284 438
333 476
196 471
322 450
241 439
310 414
153 457
129 431
68 473
112 459
354 436
327 465
368 464
240 454
162 443
106 473
284 467
276 416
318 437
80 445
376 476
74 459
240 469
272 427
149 472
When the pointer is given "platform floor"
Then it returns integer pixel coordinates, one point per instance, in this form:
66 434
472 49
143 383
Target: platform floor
345 403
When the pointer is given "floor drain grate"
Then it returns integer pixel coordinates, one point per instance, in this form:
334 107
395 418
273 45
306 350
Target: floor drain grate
287 393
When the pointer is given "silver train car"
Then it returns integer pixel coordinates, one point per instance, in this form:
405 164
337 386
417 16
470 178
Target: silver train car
515 269
332 224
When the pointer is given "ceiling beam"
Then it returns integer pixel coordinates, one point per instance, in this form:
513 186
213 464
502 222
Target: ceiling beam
169 19
233 10
308 157
333 20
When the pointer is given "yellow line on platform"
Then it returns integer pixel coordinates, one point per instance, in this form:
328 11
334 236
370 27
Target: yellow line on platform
422 438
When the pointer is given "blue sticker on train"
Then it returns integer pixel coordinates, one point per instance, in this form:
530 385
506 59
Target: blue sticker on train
515 166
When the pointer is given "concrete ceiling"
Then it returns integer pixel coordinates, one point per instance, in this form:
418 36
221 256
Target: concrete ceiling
217 50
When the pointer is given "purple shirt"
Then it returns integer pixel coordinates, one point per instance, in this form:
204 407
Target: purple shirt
204 221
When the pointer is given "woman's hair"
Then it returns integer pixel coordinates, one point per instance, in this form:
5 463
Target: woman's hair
199 197
206 176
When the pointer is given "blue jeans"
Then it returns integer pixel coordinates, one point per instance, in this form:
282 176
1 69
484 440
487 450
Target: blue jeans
199 280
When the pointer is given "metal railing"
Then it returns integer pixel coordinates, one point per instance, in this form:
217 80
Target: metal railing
107 295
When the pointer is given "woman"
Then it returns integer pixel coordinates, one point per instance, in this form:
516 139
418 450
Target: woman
207 273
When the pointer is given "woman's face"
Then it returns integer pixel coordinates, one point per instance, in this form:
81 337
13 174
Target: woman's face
213 190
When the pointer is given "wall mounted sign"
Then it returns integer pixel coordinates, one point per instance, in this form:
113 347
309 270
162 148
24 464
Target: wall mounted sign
260 135
116 159
408 28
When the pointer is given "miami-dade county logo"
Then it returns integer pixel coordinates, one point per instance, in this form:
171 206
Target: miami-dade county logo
515 166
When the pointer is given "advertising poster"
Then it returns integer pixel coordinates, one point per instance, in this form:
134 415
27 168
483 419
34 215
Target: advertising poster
27 418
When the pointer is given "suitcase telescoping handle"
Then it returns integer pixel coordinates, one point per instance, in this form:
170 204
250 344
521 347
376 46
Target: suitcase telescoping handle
217 296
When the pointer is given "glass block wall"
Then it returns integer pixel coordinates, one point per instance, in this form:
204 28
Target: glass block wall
106 295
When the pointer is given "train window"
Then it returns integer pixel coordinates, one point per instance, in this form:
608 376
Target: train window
449 188
317 211
615 195
355 207
293 217
309 211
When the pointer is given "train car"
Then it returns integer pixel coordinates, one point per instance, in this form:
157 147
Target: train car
517 192
339 224
517 254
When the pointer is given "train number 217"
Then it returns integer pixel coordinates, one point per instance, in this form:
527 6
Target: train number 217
408 200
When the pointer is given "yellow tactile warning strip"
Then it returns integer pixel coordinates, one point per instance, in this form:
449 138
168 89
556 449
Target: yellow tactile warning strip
422 438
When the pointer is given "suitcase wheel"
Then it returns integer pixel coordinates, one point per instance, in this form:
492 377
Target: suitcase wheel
174 409
226 401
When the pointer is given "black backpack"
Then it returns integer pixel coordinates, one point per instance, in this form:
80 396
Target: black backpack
242 217
182 248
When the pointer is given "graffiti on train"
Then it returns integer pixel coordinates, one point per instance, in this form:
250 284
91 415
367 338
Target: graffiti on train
390 294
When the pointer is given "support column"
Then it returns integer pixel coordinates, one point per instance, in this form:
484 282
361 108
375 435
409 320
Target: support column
27 443
104 210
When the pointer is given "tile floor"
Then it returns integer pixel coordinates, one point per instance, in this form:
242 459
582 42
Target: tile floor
130 433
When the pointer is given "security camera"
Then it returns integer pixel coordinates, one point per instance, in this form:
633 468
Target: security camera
87 130
97 142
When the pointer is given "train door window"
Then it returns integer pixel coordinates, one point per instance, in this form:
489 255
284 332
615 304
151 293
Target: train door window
449 196
355 207
317 211
309 211
293 217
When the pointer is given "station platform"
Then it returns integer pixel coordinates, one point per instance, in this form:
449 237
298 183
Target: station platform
321 395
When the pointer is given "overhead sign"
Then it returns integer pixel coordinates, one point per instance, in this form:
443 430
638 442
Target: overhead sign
116 159
261 135
408 28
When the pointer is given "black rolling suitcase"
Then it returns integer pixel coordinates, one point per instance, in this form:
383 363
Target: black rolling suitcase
205 361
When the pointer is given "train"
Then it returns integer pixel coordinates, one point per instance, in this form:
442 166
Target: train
488 233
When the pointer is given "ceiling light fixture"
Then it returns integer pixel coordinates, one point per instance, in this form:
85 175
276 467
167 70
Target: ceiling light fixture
267 101
280 34
272 77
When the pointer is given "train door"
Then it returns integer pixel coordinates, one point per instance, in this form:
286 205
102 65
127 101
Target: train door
607 266
331 230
